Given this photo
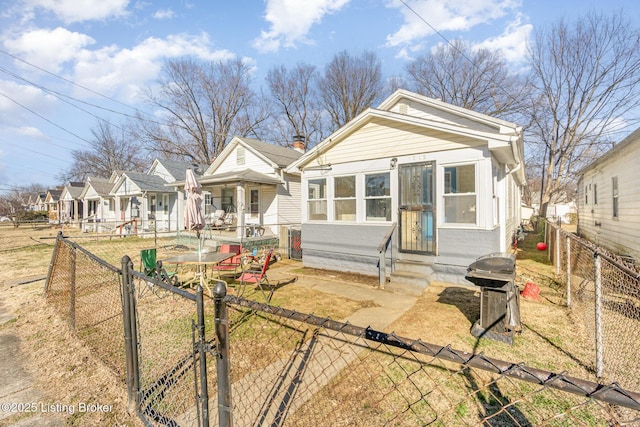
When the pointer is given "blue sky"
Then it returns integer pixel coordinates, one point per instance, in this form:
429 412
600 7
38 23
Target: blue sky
105 52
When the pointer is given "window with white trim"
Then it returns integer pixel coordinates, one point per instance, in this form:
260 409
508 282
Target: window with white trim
460 194
317 199
377 197
344 198
614 192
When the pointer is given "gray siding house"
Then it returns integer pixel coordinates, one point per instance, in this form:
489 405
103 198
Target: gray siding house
442 181
609 199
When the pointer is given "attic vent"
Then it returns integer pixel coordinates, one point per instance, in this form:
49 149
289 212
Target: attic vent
403 108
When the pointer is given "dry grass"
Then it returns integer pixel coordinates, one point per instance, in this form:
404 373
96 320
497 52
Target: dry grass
67 372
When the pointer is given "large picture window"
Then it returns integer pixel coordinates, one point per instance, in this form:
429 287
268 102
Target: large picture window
317 199
344 195
378 197
460 194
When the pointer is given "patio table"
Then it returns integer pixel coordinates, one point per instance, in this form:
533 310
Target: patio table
200 260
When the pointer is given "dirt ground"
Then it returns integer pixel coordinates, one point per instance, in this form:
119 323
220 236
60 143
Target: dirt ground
63 371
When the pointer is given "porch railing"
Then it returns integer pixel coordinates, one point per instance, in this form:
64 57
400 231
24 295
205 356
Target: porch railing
382 250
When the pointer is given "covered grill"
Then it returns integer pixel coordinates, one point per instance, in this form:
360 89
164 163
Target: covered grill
499 296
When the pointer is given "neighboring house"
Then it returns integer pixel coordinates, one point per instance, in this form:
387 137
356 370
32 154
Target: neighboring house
561 208
149 199
448 179
98 206
609 199
52 205
248 179
70 203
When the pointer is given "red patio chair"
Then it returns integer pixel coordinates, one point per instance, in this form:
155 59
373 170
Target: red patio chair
257 274
231 264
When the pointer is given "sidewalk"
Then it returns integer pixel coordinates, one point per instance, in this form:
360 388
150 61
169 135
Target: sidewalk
389 306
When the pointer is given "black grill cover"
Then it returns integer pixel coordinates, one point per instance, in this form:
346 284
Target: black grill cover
493 270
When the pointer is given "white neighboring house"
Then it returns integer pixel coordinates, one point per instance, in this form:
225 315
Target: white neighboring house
71 208
444 182
609 199
99 211
248 179
147 197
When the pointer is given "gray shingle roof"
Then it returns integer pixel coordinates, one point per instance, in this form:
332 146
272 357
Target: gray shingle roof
282 156
178 169
101 185
148 182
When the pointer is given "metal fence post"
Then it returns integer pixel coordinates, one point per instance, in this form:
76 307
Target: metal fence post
72 288
598 308
202 351
558 254
223 366
568 271
128 339
133 327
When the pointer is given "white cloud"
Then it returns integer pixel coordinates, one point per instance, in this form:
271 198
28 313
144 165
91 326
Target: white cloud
164 14
112 70
19 100
49 49
291 20
512 42
70 11
460 15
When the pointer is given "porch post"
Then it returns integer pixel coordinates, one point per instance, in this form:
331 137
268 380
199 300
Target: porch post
240 194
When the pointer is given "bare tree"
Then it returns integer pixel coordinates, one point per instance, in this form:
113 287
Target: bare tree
202 106
14 204
350 85
478 80
110 149
296 105
587 76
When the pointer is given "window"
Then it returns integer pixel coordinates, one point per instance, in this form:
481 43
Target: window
460 194
344 194
377 197
586 195
240 155
208 203
227 202
317 199
254 203
614 192
595 194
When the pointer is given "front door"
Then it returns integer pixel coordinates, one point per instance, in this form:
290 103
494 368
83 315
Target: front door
416 215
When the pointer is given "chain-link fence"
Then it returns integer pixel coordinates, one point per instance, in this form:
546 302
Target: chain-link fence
603 293
268 365
86 291
291 368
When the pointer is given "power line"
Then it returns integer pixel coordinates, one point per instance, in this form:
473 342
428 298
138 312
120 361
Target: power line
44 118
68 81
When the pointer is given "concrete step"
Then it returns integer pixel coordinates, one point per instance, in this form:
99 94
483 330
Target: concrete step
411 266
408 283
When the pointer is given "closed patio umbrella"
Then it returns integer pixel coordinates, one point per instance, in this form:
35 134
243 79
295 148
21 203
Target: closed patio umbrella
193 215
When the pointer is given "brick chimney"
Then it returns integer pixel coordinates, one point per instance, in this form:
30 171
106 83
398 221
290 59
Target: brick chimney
298 143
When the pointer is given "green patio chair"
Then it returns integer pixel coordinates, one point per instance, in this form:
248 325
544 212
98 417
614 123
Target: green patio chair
151 267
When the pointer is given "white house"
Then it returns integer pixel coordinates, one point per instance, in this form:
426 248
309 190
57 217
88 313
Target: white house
71 208
442 182
149 198
609 201
99 211
249 179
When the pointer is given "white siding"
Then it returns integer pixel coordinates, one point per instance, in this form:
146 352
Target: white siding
430 113
621 235
289 200
251 162
379 138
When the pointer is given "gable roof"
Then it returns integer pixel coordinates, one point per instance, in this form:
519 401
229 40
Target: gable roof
274 155
101 186
633 137
178 169
143 181
74 189
504 139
